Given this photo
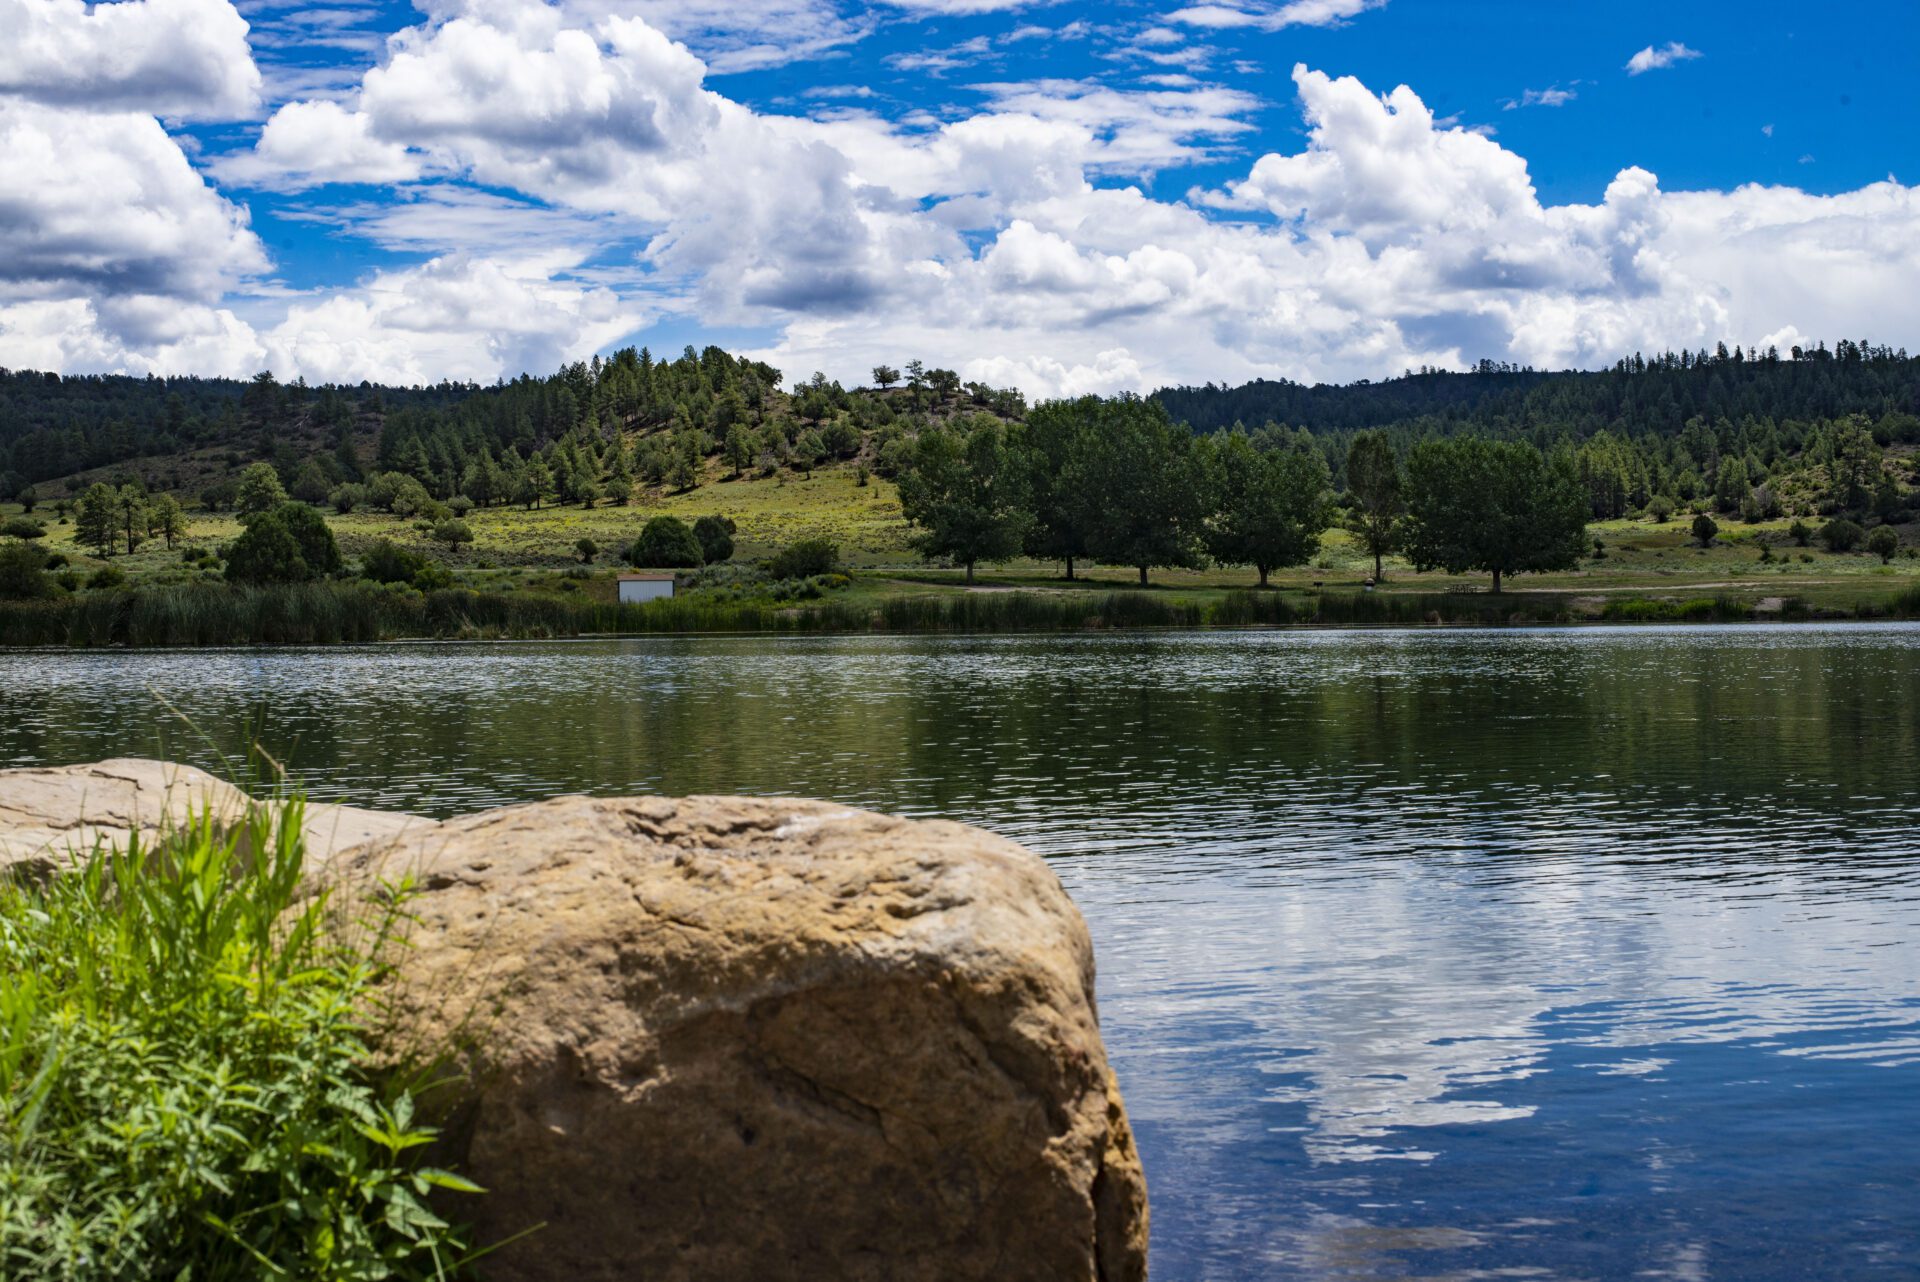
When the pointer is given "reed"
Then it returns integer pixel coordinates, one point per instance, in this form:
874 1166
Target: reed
182 1073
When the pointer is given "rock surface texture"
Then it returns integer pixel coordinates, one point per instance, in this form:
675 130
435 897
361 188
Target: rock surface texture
718 1038
50 817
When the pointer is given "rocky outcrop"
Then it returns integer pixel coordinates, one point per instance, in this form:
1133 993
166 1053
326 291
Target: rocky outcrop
738 1039
52 817
720 1038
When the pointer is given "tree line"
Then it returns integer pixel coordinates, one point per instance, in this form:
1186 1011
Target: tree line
1117 481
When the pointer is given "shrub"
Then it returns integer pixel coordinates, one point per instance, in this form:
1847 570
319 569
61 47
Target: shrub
387 562
1704 529
1884 543
666 543
23 573
107 576
1842 535
1801 533
459 505
716 538
286 544
452 533
586 549
433 577
259 490
21 527
180 1054
1660 509
805 559
345 498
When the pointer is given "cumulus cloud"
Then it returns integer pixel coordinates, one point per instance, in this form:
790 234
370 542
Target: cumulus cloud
457 317
184 59
1654 59
73 336
113 208
1019 242
452 317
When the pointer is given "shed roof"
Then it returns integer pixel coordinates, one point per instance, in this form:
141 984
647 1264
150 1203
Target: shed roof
646 578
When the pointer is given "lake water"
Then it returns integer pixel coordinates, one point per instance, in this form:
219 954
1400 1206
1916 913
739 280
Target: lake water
1572 954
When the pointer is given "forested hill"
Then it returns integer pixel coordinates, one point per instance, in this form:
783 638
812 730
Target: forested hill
1638 397
625 414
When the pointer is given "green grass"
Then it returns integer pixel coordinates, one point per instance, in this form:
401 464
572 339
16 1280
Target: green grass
520 579
181 1051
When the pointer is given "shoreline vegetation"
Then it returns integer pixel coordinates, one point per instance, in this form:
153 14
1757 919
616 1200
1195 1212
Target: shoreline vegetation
1690 486
185 1067
328 613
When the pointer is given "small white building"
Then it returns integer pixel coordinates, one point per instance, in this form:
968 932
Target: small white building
645 587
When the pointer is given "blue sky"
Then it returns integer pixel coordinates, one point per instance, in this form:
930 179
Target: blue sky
1066 196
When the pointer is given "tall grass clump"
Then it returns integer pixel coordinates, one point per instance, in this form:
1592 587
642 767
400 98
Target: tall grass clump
1717 609
181 1051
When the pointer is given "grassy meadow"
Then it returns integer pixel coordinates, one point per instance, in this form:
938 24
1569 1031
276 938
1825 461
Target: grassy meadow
522 576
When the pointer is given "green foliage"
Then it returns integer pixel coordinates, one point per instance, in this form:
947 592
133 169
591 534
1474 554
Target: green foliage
452 533
286 544
180 1071
715 534
1841 535
1801 533
106 578
967 490
586 549
23 573
1660 509
1884 543
259 491
20 527
1705 529
805 559
1495 506
666 542
385 561
94 520
347 497
166 518
1373 481
1134 485
1270 506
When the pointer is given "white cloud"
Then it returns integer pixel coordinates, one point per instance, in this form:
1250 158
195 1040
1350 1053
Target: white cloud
455 317
113 208
305 144
1272 17
1654 59
995 242
72 336
184 59
1551 97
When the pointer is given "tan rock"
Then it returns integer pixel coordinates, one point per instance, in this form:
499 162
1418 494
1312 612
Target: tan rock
52 816
765 1039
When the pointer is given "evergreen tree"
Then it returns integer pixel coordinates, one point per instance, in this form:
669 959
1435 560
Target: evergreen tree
260 489
95 519
166 519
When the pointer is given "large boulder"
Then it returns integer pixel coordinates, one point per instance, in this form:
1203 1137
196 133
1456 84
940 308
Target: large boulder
51 817
762 1039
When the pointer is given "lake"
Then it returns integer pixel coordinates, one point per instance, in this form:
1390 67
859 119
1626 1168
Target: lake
1561 954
